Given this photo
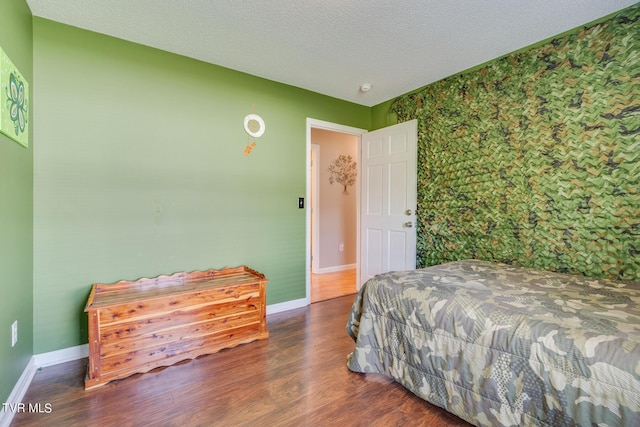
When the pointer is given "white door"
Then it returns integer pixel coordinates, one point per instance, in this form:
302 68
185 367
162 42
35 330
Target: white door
388 200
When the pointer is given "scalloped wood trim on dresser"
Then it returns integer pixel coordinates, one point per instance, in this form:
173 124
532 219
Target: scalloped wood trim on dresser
137 326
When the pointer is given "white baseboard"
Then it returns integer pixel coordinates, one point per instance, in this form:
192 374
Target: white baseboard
68 354
18 392
78 352
335 269
61 356
287 305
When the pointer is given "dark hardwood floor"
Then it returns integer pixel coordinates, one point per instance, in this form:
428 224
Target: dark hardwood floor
297 377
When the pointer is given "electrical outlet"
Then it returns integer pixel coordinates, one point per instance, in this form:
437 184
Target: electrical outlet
341 247
14 333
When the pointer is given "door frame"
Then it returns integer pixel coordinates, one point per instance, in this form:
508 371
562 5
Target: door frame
321 124
314 195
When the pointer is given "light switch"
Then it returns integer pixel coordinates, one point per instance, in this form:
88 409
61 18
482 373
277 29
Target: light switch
300 202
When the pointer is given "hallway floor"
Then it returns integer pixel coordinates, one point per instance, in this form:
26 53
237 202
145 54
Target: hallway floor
331 285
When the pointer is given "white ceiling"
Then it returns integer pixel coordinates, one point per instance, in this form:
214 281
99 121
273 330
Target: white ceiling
332 46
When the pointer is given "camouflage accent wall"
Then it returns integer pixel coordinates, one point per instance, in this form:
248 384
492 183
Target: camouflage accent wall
534 159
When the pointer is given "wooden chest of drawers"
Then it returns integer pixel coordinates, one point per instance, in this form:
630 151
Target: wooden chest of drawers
137 326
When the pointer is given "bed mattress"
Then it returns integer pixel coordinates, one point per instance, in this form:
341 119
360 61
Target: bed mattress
500 345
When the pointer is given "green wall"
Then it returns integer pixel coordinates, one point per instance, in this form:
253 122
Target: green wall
533 159
135 169
16 212
139 171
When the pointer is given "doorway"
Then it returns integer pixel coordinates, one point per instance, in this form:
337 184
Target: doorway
333 209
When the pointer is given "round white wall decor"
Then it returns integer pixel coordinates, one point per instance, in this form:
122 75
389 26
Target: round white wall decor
254 125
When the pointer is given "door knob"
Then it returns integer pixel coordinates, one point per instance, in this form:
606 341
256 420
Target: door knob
408 212
408 224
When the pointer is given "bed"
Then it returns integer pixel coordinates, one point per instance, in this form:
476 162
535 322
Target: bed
500 345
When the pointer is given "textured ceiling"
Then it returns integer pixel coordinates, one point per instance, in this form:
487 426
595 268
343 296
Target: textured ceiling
332 46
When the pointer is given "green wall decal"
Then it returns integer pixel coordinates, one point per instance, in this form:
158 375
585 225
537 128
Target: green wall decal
14 110
534 159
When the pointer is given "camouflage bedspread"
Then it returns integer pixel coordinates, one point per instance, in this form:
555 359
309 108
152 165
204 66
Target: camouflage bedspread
499 345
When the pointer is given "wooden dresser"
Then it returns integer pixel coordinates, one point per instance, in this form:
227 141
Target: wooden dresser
137 326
